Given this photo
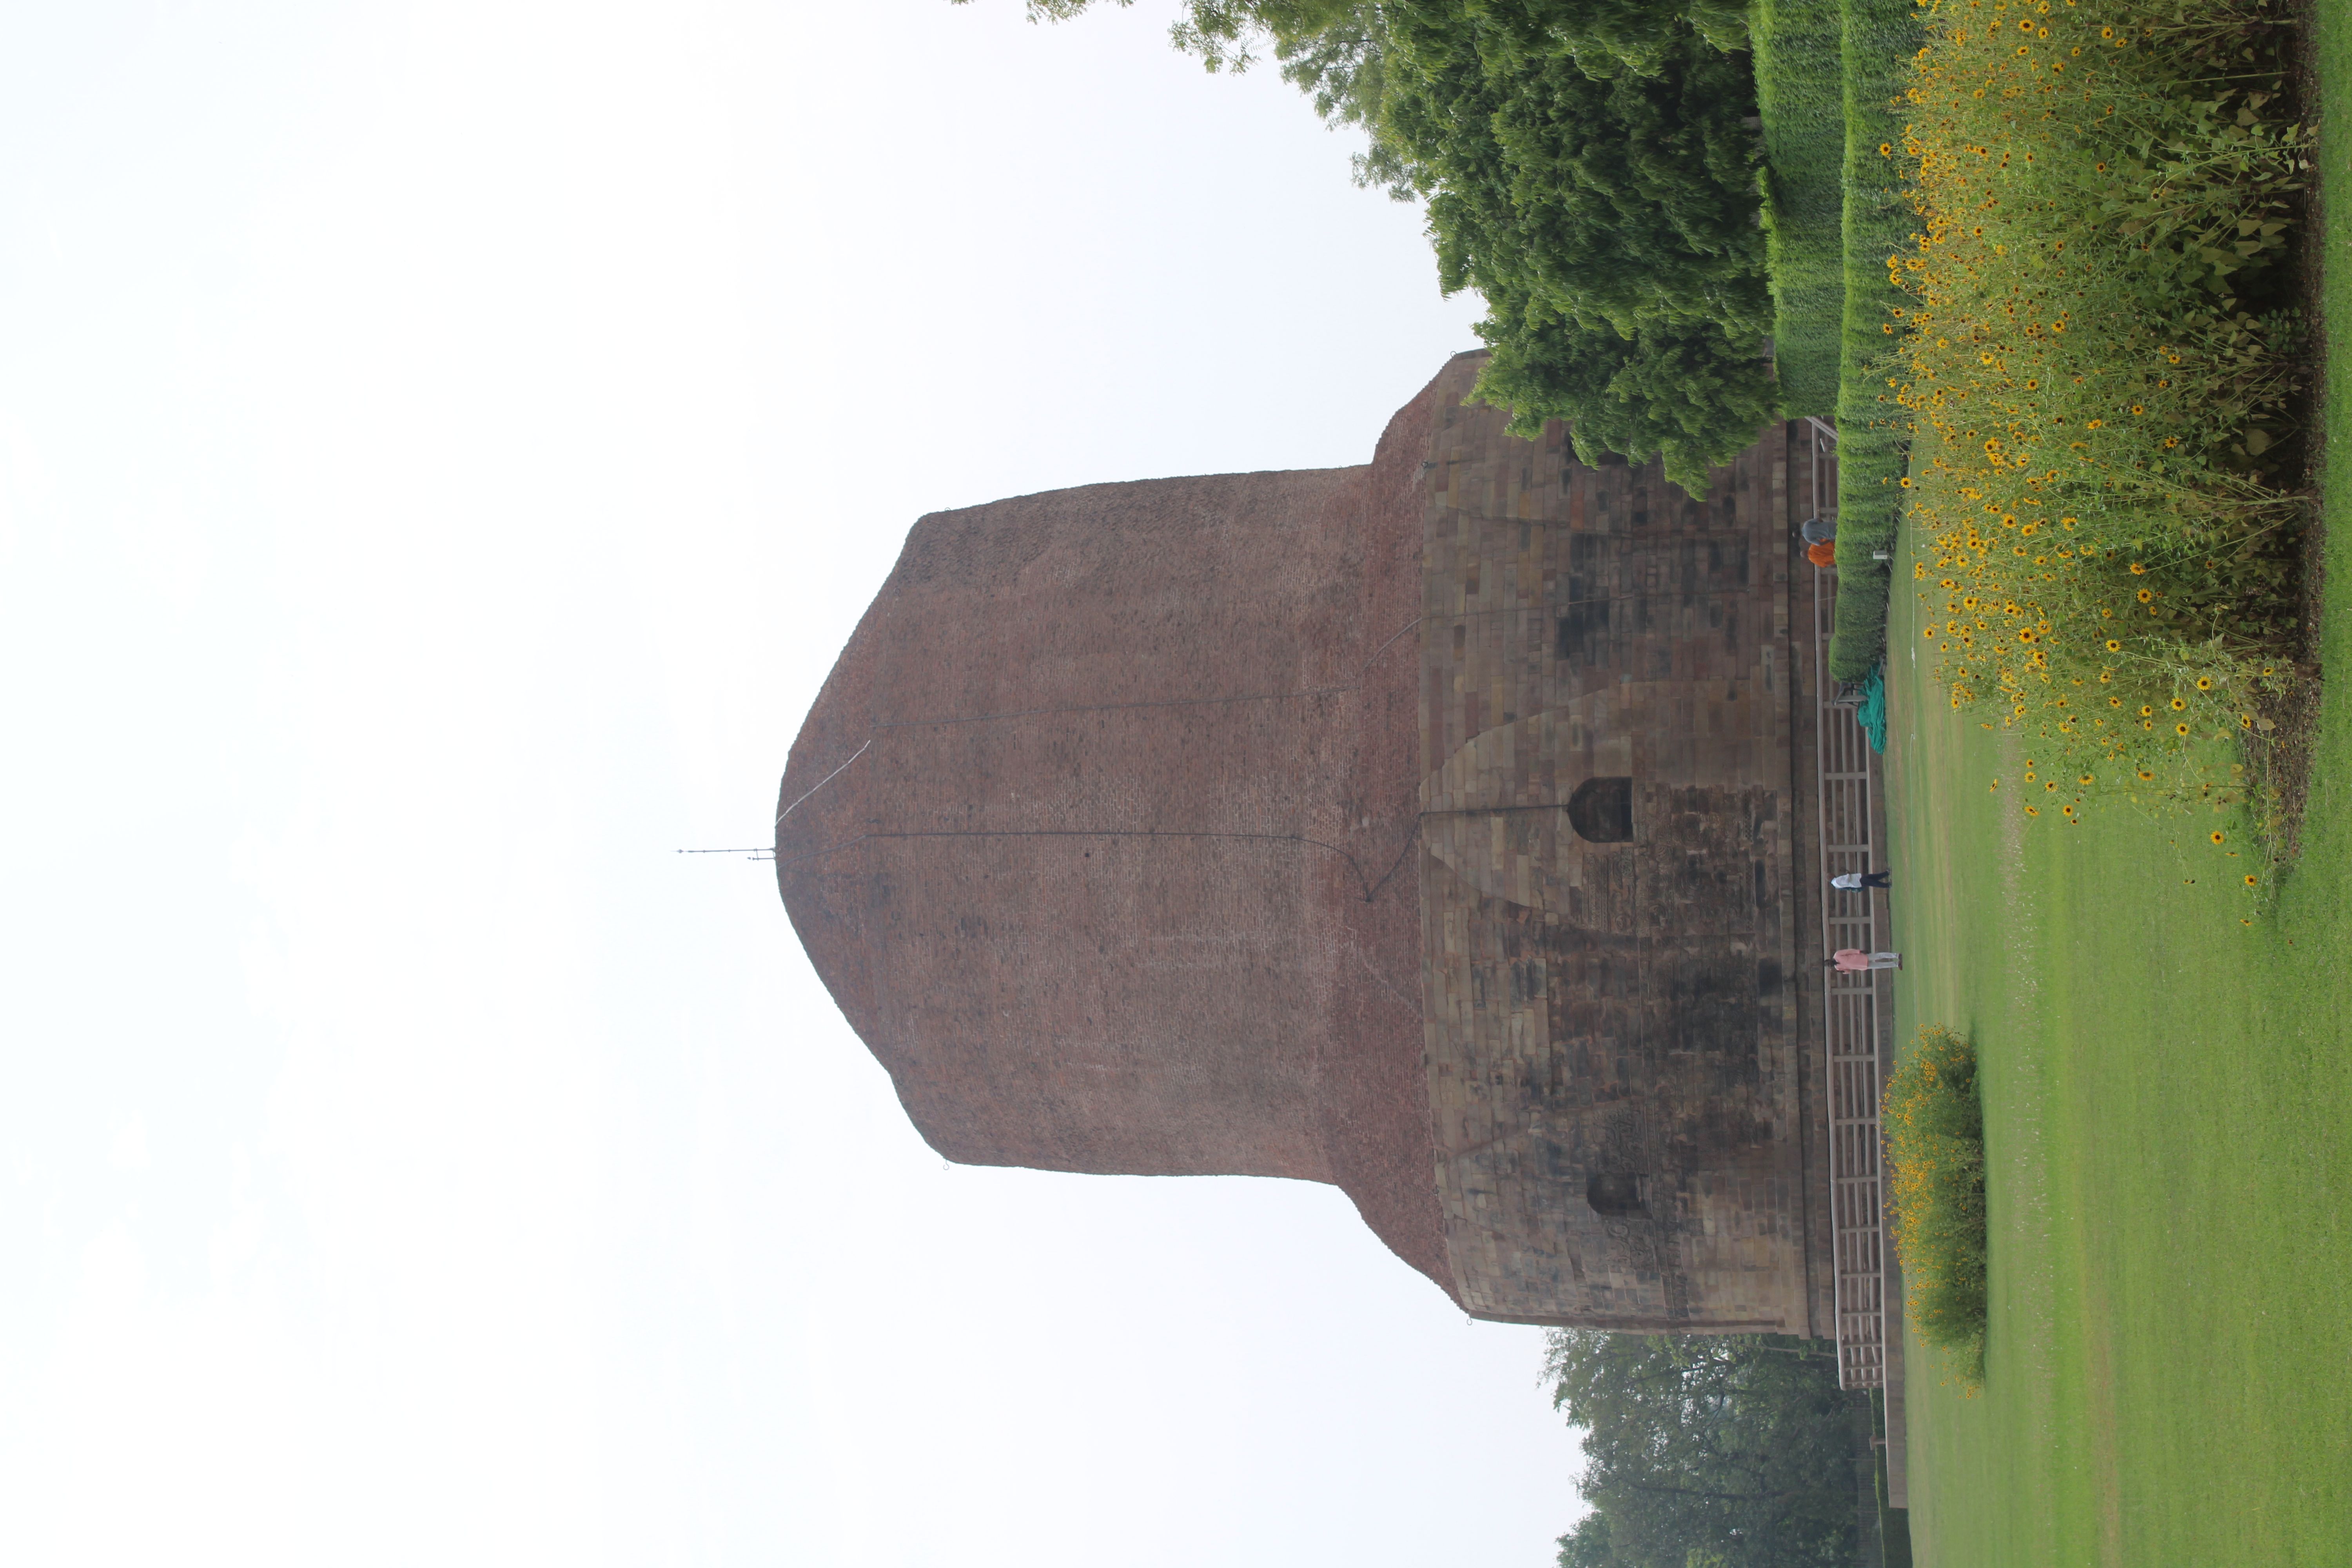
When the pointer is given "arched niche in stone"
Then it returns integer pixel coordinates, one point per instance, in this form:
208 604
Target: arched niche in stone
1602 810
1614 1193
1559 811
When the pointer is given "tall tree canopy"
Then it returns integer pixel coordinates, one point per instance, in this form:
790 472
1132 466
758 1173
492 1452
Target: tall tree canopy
1623 199
1683 391
1586 167
1227 34
1730 1451
1608 221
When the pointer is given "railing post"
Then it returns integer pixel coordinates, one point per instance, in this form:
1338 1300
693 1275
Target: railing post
1849 1024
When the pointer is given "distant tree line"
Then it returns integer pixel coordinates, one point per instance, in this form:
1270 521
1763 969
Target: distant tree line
1587 167
1709 1450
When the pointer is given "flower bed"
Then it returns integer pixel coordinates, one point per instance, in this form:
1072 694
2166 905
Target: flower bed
1934 1128
2102 379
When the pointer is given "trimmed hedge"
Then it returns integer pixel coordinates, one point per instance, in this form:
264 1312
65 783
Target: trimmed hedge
1801 97
1874 447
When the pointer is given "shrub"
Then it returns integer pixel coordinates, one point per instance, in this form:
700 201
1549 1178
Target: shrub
1800 98
1858 635
1873 452
1934 1125
2093 342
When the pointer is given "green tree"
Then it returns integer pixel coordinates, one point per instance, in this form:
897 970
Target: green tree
1227 35
1687 392
1586 168
1622 199
1587 1546
1610 221
1735 1450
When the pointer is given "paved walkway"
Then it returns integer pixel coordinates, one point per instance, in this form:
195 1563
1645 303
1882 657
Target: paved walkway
1854 1006
1857 1015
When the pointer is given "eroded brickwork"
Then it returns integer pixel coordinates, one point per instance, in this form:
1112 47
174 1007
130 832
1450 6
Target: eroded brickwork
1423 828
1609 1025
1101 831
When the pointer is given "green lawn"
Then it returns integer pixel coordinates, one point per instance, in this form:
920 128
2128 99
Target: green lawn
2168 1130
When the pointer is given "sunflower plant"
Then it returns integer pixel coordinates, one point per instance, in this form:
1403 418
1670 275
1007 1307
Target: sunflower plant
1934 1142
2103 380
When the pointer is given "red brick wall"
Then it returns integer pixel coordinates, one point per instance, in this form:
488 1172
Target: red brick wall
1219 824
1117 871
1617 1011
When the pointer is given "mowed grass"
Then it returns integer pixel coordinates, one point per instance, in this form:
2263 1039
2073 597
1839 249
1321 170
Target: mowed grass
2167 1094
2169 1124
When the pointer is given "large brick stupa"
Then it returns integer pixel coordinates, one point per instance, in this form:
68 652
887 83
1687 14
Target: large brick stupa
1425 828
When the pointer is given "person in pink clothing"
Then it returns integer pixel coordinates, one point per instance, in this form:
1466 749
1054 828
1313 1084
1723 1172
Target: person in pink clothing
1853 961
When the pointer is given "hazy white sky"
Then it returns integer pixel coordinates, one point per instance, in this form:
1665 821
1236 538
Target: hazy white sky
442 450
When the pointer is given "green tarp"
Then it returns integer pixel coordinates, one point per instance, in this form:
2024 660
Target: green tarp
1871 712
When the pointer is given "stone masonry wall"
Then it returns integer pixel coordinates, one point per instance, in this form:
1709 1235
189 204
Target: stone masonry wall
1232 823
1610 1026
1101 832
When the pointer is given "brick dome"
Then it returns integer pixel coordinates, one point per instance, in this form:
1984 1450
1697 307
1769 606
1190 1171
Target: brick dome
1102 832
1427 828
